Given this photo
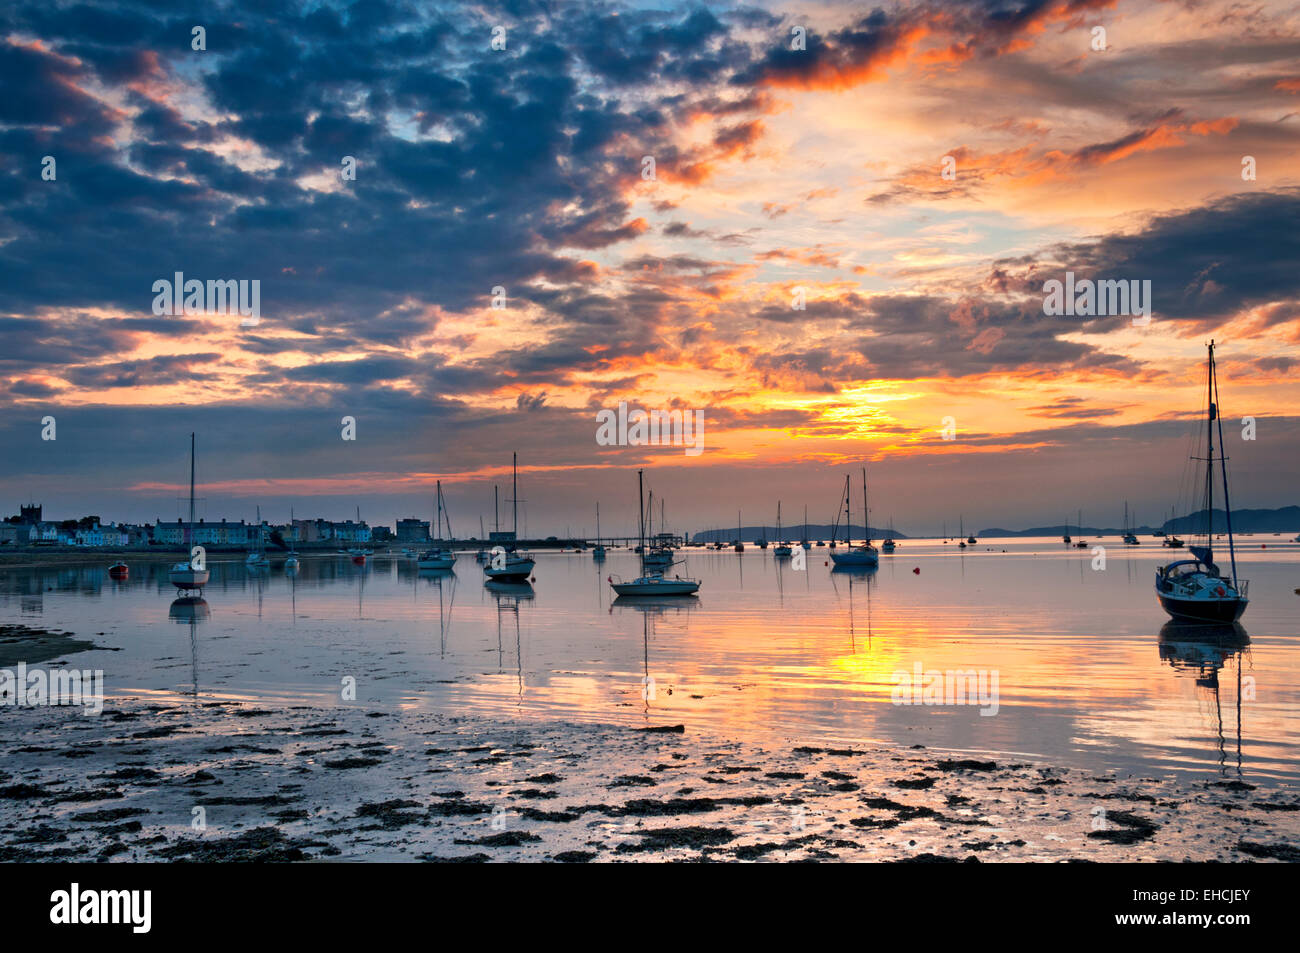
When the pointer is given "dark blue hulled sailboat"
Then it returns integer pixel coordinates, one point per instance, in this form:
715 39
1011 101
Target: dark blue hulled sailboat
1196 588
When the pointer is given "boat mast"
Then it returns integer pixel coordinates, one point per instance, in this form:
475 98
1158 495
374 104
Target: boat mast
191 531
1209 461
514 490
848 513
1223 465
866 512
640 509
496 505
440 511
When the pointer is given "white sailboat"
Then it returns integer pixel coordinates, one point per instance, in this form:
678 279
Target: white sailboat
192 574
291 557
438 557
511 565
256 558
856 556
782 550
889 545
598 551
654 556
653 582
1196 588
1130 538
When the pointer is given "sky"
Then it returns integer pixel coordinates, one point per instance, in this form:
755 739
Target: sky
915 173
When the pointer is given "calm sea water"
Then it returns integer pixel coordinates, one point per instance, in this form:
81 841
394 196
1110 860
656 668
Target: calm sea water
1089 672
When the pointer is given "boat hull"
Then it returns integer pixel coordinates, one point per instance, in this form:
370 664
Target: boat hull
515 570
1224 611
669 587
189 578
853 558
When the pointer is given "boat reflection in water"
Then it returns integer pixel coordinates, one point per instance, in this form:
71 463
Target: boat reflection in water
857 577
1201 650
509 596
191 610
652 608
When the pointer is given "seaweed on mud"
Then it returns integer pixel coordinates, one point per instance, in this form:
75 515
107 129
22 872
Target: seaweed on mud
632 780
574 857
132 774
1283 852
111 814
663 838
98 794
346 763
562 817
936 859
754 851
913 784
458 859
41 834
966 765
1132 830
505 839
22 792
459 809
390 814
260 845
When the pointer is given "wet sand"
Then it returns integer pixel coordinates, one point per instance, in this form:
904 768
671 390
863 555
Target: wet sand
22 643
353 784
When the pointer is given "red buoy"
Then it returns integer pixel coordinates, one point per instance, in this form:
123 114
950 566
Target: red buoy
917 571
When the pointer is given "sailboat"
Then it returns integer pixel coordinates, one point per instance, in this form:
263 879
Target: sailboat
256 558
438 557
971 540
961 531
855 556
187 575
1081 543
598 551
804 542
1196 588
653 557
483 554
1171 539
358 554
652 583
1130 538
511 566
783 550
740 544
1065 537
888 546
291 557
